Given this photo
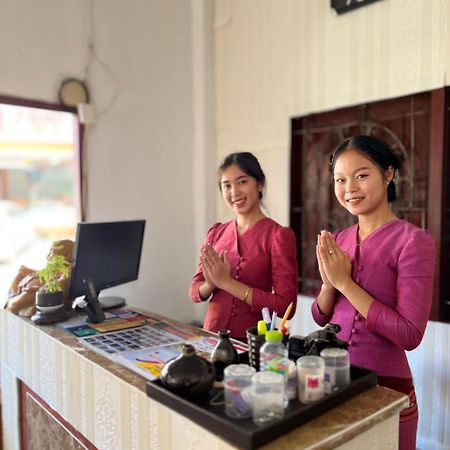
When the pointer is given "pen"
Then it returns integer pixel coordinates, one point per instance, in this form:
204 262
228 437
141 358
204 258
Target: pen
266 316
274 318
286 315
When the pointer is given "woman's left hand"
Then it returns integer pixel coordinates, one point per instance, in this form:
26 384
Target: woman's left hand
335 262
216 266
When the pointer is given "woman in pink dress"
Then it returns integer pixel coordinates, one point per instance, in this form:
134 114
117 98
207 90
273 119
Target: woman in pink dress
249 262
377 274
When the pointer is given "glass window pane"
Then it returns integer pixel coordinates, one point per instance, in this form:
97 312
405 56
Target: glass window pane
38 151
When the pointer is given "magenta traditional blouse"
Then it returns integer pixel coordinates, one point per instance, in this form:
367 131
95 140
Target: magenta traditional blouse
395 265
264 258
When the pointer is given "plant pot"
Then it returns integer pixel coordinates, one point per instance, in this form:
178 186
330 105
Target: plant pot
50 308
47 302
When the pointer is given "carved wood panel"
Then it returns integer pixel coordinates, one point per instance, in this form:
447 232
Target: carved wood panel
409 125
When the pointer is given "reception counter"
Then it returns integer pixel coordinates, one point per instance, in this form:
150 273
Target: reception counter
58 394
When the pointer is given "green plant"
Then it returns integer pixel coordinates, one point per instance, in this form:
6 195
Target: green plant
56 270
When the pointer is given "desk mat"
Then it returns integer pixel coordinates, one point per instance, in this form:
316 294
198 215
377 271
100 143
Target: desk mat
243 432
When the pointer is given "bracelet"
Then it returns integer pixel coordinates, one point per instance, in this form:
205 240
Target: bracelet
246 294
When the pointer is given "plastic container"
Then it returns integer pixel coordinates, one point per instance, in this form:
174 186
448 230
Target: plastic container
268 394
337 368
291 385
310 370
238 390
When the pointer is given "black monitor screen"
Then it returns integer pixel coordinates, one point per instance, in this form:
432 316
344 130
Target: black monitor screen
109 253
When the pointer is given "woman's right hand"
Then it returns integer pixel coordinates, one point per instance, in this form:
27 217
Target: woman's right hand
326 282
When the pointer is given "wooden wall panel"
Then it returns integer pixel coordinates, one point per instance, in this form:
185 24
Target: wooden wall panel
414 126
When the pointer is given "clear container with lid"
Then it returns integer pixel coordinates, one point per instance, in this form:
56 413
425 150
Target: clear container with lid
310 370
337 368
238 390
268 395
291 384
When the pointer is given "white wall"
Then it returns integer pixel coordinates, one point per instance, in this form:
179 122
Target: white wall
280 59
150 137
141 149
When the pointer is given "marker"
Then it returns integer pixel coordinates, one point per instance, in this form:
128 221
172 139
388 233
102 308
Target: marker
286 315
274 318
266 316
262 327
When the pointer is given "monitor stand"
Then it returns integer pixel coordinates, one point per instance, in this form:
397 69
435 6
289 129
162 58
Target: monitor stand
110 301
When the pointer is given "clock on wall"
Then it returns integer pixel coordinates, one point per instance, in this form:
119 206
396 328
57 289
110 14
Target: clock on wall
343 6
73 92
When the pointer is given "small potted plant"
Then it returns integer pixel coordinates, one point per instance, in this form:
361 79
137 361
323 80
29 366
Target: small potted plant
49 296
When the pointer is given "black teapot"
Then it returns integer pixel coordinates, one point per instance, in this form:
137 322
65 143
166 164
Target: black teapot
188 375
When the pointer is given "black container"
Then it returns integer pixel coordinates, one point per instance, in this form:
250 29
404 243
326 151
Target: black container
188 375
254 342
223 354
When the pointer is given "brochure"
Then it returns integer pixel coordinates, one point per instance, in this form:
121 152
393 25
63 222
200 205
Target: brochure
148 362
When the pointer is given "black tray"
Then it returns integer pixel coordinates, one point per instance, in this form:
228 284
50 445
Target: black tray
243 432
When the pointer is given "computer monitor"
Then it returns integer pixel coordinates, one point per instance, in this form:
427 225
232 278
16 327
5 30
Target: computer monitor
107 253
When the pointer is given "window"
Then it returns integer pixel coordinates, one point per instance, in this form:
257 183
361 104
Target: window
39 182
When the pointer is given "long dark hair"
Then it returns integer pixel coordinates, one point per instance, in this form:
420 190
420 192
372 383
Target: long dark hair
248 163
374 149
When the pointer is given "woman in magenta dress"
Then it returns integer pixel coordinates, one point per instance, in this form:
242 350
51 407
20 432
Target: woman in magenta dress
249 262
377 274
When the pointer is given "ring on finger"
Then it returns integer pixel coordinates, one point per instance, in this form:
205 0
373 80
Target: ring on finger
331 252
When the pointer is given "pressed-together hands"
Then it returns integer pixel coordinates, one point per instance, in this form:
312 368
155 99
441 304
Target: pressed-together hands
216 267
336 271
334 264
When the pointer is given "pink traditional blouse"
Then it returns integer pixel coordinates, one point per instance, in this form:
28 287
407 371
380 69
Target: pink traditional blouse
263 258
395 265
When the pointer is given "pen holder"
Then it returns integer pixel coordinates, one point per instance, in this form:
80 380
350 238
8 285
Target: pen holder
254 342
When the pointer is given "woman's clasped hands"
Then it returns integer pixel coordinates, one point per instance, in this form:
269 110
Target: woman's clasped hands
334 264
216 267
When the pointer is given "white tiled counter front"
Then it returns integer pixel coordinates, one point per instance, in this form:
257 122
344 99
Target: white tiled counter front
108 405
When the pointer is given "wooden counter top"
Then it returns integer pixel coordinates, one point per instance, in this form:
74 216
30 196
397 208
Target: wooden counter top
107 402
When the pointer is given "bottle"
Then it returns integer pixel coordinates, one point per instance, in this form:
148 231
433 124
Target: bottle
273 356
223 354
